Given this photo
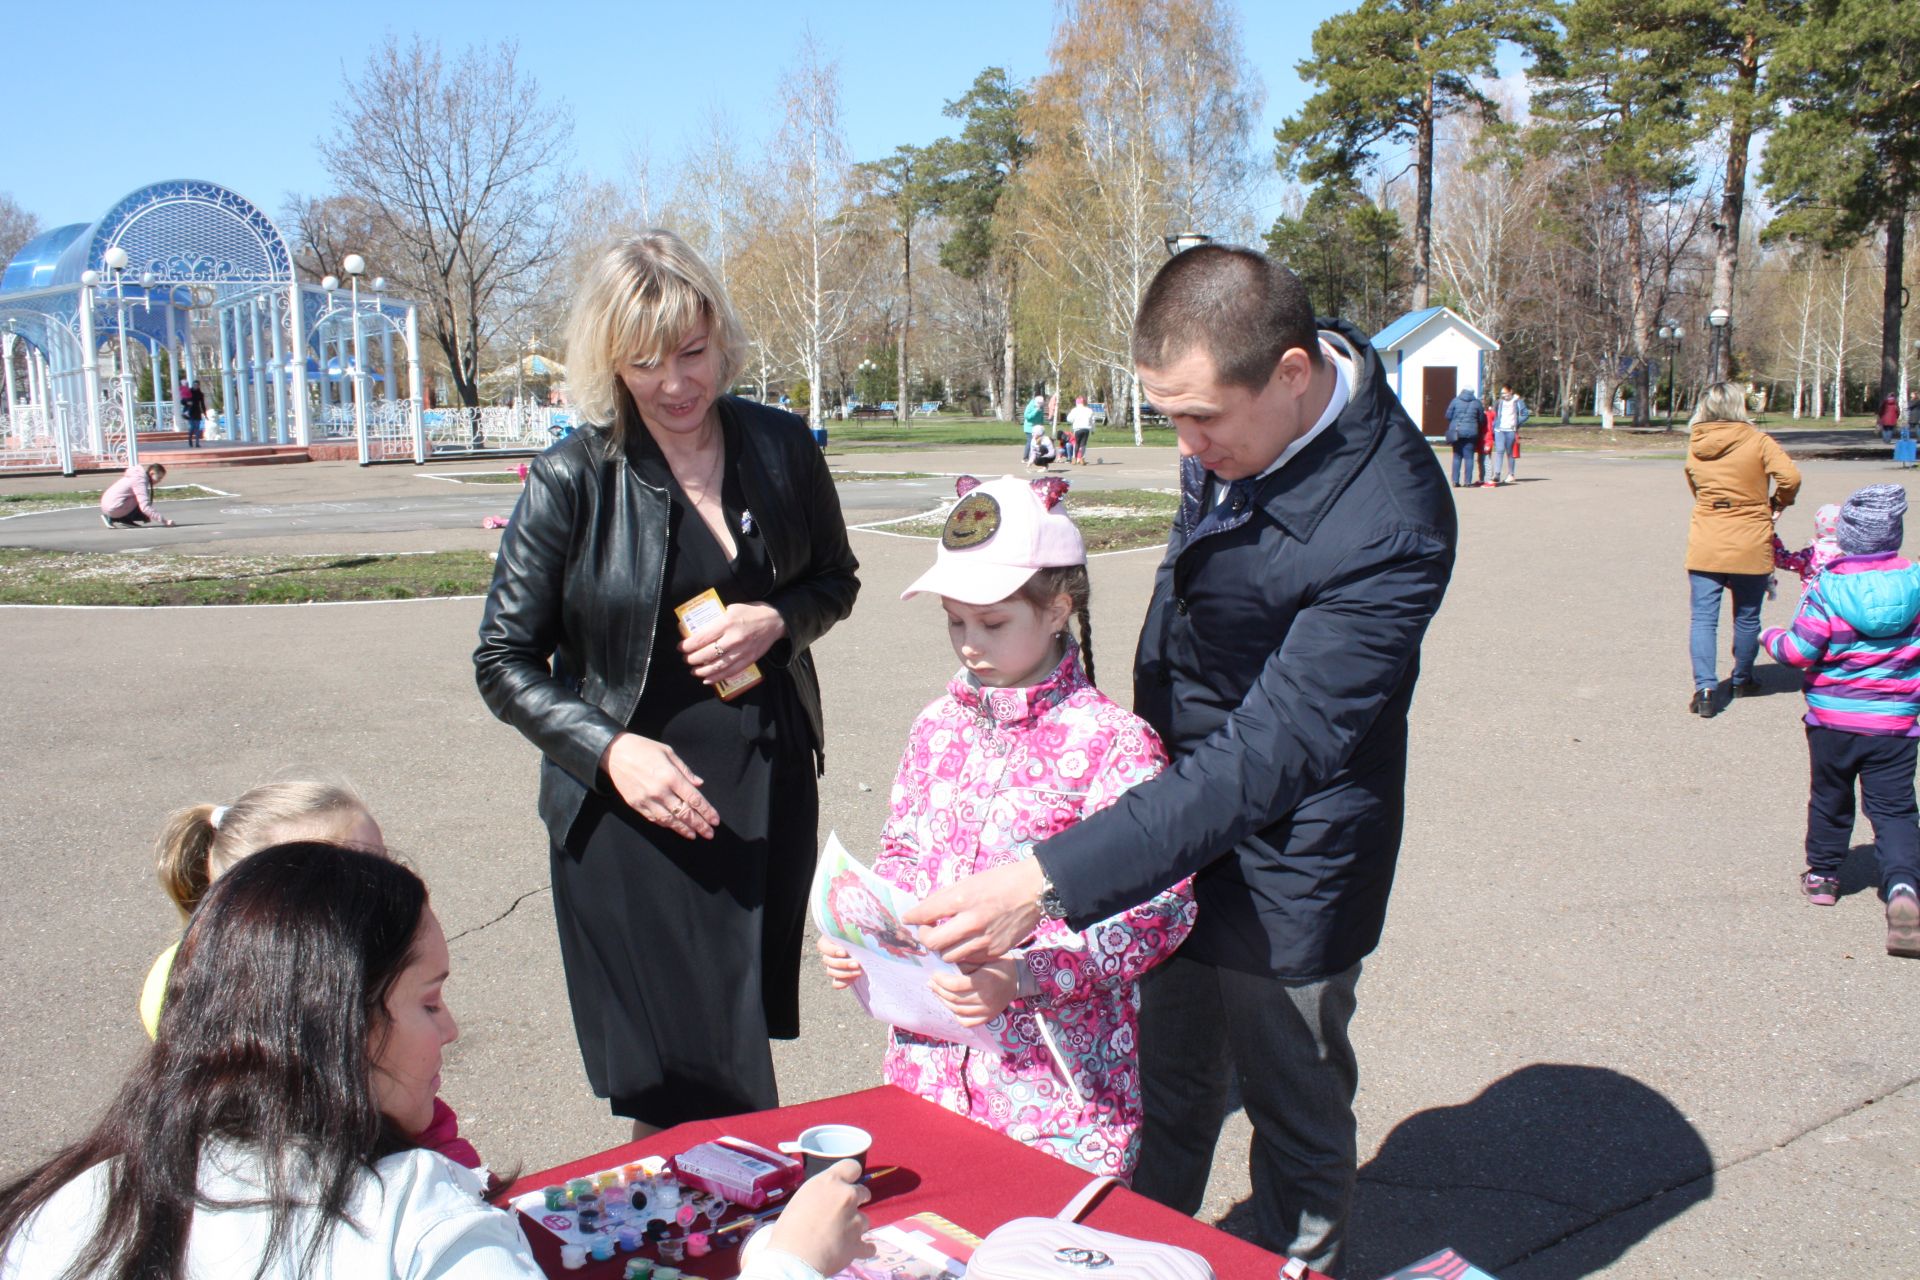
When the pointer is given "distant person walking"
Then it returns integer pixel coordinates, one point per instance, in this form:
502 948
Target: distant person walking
129 500
1889 419
195 402
1080 419
1730 465
1510 413
1483 470
1463 433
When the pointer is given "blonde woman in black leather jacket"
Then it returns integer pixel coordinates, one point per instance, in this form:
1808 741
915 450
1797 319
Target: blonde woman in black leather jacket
682 825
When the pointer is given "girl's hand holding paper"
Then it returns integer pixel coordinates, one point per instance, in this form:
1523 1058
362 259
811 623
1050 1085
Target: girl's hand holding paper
842 969
978 995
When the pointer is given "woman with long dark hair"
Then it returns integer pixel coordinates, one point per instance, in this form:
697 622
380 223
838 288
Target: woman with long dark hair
265 1132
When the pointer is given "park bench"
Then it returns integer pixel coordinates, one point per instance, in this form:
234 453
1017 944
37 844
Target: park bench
925 409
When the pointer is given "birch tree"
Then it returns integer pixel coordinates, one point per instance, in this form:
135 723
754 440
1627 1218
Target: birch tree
1620 99
463 163
1143 97
17 226
811 296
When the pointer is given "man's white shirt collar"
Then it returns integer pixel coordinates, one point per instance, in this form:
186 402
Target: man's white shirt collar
1336 405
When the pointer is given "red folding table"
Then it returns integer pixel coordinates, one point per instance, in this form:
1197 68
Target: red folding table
947 1165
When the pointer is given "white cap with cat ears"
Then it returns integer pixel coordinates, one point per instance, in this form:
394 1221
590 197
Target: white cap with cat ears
996 536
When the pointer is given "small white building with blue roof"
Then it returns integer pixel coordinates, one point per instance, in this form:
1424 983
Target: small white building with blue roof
1429 356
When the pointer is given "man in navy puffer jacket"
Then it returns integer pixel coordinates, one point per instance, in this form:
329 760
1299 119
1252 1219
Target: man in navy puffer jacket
1464 420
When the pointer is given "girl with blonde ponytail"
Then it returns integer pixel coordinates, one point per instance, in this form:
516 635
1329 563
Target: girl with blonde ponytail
201 841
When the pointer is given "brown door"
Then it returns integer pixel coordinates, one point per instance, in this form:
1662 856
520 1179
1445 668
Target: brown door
1436 393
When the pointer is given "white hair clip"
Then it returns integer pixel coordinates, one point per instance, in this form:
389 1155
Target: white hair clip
219 815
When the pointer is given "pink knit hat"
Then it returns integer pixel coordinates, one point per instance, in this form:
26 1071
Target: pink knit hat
996 536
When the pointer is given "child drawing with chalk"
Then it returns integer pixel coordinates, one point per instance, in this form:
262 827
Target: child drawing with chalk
202 842
1019 747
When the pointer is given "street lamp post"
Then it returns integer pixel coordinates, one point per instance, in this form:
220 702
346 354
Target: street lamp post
1717 320
115 261
520 378
354 265
90 362
160 393
1672 334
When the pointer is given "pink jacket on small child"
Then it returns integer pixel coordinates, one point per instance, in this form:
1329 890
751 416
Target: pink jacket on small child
130 493
1811 560
987 774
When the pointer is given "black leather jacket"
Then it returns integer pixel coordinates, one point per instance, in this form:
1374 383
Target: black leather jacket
569 624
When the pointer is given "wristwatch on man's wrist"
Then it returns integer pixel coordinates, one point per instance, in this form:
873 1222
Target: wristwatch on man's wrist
1051 907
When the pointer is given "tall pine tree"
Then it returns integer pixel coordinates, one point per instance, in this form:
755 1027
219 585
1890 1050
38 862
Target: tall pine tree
1388 72
1621 104
1845 161
973 180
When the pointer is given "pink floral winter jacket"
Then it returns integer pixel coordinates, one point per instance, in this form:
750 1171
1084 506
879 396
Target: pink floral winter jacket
988 773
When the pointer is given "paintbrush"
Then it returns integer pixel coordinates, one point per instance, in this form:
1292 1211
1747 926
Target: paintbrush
774 1211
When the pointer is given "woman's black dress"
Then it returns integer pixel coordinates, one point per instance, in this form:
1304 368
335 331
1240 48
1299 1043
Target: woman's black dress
683 956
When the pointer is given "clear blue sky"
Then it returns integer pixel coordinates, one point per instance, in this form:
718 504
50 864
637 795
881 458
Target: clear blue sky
238 92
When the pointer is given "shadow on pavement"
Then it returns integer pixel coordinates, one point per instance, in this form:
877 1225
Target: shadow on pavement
1773 678
1860 873
1537 1158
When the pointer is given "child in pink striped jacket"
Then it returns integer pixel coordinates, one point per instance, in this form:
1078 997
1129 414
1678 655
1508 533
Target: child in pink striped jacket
1021 746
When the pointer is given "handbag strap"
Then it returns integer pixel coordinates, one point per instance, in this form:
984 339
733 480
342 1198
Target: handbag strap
1084 1199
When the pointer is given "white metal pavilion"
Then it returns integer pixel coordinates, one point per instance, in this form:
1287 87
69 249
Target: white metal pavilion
188 280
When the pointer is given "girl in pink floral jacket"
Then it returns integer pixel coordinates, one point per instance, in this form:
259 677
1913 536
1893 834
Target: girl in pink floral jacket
1021 746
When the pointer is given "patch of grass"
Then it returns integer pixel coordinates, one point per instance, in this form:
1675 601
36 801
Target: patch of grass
845 476
99 577
481 477
1109 519
20 504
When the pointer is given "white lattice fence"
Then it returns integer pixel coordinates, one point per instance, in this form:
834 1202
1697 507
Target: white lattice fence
28 440
480 430
390 429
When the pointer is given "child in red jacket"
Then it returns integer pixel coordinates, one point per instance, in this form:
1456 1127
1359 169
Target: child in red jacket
1487 465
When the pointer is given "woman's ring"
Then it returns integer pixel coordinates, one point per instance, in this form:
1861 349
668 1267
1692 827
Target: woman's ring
678 810
719 652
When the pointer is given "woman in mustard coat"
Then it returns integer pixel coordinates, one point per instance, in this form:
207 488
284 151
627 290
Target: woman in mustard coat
1741 480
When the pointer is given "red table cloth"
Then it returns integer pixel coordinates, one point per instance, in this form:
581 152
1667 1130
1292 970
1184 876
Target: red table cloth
947 1165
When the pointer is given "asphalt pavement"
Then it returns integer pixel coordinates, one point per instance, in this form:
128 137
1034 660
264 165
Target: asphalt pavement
340 506
1603 1035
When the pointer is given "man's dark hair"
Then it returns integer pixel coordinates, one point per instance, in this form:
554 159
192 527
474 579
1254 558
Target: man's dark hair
1239 306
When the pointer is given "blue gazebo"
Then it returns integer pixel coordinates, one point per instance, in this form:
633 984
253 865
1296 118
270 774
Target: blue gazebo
196 282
